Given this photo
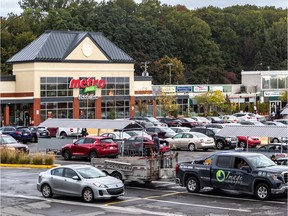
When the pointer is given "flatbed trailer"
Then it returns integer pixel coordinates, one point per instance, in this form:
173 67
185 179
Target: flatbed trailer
145 169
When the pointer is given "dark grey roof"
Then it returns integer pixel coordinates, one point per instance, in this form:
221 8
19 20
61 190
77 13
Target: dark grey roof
55 46
254 130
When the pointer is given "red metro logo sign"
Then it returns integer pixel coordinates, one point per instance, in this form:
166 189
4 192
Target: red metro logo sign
89 84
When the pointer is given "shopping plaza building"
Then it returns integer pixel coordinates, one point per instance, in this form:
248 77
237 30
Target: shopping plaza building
69 74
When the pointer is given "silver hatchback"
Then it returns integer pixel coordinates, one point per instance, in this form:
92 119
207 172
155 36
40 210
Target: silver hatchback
83 181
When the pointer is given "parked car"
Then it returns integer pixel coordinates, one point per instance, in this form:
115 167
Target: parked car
245 116
283 121
191 141
201 120
42 132
180 129
152 120
221 141
79 180
171 122
135 144
90 147
11 143
215 119
252 141
278 139
250 123
163 132
21 134
189 122
273 123
137 133
117 135
274 146
229 119
71 132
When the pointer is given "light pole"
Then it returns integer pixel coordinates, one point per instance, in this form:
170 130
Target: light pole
169 65
260 64
42 13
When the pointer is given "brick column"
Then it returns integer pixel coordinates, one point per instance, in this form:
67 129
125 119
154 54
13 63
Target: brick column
36 118
132 106
154 108
6 115
76 106
98 106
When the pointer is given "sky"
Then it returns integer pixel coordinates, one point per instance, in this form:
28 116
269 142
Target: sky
8 6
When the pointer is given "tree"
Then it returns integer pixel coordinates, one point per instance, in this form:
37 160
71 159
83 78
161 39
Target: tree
141 107
284 96
168 104
210 100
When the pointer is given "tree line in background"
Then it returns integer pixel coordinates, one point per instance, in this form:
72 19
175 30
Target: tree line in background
207 45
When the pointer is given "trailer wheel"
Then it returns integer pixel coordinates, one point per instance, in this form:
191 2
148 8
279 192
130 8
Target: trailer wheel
193 185
242 144
117 175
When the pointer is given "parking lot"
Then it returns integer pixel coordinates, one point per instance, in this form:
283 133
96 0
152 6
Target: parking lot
20 197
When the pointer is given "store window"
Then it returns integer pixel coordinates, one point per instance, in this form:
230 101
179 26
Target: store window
56 110
281 82
87 109
55 87
265 82
112 109
116 86
273 82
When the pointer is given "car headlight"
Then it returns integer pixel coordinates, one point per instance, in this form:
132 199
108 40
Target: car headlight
100 185
228 139
274 176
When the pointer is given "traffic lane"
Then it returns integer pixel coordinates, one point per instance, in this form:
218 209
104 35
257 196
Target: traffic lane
158 196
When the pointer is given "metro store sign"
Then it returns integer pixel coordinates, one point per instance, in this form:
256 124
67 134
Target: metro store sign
88 85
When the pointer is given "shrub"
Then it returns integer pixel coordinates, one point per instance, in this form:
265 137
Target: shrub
49 159
23 158
37 159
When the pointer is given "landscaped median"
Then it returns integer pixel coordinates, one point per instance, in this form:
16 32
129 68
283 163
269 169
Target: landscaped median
13 158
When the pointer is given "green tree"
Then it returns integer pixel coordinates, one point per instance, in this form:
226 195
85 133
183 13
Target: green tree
168 104
141 107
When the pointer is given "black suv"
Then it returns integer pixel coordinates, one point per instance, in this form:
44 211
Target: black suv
221 142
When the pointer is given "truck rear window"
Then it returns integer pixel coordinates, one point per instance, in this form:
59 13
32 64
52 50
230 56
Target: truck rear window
223 161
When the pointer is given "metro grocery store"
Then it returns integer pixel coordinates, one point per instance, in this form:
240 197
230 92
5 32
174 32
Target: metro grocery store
69 74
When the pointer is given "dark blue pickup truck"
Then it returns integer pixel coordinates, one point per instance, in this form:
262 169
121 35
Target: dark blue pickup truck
250 173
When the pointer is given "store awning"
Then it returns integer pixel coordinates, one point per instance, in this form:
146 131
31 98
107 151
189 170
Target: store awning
254 130
88 123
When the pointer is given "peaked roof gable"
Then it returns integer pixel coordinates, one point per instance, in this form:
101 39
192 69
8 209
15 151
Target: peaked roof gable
55 46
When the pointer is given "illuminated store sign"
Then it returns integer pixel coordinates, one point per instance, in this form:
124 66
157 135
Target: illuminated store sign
89 84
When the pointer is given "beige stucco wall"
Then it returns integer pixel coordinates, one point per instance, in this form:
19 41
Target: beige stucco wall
91 49
7 86
28 76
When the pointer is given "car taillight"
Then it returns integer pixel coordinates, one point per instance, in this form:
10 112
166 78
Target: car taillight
71 129
249 117
192 123
201 140
18 132
176 168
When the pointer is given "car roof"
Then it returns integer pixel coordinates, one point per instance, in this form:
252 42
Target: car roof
75 165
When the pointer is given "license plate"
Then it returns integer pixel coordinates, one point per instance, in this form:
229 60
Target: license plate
44 133
26 134
111 147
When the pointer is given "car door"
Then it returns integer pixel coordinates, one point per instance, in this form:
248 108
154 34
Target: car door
70 186
186 140
239 178
220 170
56 180
77 148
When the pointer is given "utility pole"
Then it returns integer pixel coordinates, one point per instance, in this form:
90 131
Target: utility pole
169 65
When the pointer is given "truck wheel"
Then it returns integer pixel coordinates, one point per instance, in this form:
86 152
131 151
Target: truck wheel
193 185
63 134
93 154
262 191
117 175
220 144
275 140
192 147
242 144
67 155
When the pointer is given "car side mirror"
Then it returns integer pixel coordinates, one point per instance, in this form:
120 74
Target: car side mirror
76 178
247 168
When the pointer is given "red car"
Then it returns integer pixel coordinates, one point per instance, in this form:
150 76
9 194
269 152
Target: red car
252 141
135 142
90 147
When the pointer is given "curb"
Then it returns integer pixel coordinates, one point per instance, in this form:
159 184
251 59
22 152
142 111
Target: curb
29 166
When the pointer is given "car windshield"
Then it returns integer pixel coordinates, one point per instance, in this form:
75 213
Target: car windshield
122 134
215 130
7 140
152 119
90 172
260 161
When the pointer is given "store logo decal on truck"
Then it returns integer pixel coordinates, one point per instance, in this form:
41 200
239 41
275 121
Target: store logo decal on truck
220 176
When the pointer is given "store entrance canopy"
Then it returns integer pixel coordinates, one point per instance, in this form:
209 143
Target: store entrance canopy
119 124
254 130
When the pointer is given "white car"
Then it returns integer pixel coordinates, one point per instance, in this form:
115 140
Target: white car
64 132
116 135
230 119
245 116
191 140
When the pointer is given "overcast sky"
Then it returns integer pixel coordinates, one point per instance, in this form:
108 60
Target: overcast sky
8 6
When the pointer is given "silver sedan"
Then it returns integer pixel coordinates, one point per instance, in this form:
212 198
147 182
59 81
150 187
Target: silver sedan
83 181
191 140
